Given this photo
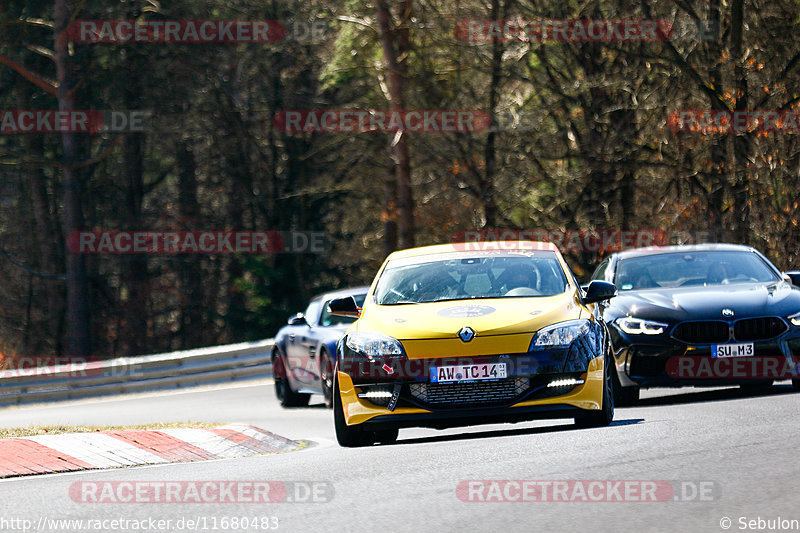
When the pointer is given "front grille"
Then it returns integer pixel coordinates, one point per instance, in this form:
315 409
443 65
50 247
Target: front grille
644 366
469 394
706 332
757 329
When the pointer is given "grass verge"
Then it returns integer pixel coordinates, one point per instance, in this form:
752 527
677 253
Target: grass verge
56 429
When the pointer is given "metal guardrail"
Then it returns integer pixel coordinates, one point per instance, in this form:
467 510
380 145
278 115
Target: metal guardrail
210 365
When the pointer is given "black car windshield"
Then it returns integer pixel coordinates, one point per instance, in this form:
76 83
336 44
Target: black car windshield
470 275
684 269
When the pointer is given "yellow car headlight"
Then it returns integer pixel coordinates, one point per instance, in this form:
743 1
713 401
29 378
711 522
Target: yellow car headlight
374 344
560 335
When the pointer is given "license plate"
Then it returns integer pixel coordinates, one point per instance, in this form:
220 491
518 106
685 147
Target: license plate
733 350
467 373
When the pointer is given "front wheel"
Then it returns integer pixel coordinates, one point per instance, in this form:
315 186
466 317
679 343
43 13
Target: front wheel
283 389
604 416
347 436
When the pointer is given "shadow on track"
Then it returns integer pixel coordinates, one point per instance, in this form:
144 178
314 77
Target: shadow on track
713 395
509 432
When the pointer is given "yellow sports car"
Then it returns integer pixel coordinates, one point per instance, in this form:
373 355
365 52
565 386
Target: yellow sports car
462 334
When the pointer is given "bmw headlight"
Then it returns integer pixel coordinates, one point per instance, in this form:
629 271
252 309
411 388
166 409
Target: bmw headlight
638 326
560 335
374 344
795 319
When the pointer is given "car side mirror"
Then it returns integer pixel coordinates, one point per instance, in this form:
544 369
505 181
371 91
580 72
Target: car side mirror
344 307
297 320
597 291
793 277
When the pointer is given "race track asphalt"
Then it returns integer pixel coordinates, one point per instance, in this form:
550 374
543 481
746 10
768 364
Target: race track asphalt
740 451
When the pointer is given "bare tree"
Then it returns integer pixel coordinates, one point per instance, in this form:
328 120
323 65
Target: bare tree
394 36
77 294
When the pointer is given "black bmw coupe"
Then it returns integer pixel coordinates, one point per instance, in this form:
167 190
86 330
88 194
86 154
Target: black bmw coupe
701 315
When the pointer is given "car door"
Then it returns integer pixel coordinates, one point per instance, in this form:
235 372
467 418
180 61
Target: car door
309 339
298 341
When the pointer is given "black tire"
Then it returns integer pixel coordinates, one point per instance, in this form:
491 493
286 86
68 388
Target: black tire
387 436
624 396
283 389
605 416
796 384
756 387
326 368
347 436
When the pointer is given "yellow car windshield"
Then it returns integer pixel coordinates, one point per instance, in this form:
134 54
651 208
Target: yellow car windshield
469 276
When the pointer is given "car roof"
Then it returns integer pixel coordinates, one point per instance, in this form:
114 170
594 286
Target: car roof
474 247
350 291
710 247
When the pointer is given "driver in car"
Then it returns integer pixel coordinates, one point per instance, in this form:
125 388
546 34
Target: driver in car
519 276
716 274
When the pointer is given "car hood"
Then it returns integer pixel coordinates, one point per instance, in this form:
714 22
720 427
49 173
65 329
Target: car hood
704 303
496 316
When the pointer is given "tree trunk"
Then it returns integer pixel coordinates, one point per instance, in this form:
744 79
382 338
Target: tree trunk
395 45
46 238
719 181
136 277
78 339
389 212
190 271
487 187
742 144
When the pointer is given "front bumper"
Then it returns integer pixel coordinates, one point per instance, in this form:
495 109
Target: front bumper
528 406
660 364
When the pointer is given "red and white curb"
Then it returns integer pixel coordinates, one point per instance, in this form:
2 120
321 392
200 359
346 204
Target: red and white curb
44 454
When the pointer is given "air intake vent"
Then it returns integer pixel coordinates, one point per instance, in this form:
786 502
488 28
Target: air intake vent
757 329
707 332
469 394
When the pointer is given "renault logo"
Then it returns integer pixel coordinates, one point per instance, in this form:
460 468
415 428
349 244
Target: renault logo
727 312
466 334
